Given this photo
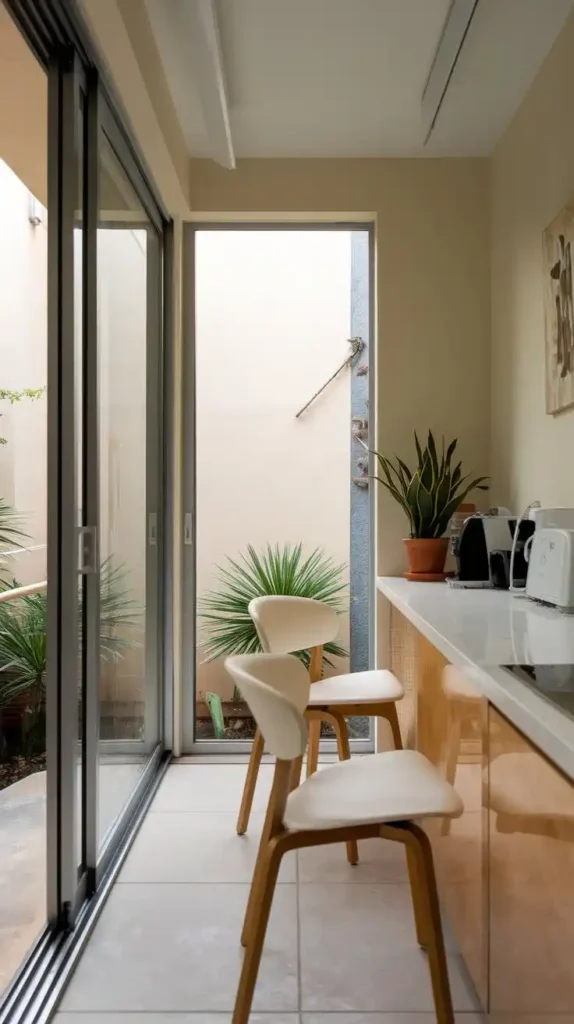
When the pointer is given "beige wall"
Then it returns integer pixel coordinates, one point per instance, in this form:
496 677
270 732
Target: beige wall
273 318
532 178
432 277
23 109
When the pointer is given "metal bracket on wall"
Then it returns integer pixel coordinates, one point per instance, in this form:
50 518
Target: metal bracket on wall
357 346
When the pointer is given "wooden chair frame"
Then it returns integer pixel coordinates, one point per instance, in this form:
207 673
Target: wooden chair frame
276 841
335 715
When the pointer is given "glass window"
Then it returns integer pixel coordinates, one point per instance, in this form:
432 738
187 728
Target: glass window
128 283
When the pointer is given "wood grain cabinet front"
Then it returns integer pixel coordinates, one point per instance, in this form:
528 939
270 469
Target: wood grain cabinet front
531 868
451 729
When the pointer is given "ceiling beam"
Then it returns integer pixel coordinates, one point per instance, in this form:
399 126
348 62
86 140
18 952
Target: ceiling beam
209 73
447 53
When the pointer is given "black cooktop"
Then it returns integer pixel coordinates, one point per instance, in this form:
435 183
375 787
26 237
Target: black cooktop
553 682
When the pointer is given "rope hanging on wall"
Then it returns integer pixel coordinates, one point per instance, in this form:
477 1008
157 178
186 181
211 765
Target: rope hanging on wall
357 346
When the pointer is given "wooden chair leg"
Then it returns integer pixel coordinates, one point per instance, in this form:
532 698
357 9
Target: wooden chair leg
313 746
419 905
296 769
263 899
390 714
250 783
430 911
344 751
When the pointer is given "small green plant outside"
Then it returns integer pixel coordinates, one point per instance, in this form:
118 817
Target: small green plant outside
23 635
280 569
432 493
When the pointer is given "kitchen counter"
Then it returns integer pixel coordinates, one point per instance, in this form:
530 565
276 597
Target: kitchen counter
483 630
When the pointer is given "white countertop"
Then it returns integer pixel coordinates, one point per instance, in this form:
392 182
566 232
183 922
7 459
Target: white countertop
483 630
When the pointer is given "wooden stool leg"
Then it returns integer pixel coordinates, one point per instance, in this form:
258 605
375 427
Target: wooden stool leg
313 746
250 783
428 895
263 898
344 755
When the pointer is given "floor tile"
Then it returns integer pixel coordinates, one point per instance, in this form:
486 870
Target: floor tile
379 861
197 847
359 952
210 788
176 948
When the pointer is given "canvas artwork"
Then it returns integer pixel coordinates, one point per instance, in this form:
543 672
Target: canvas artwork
559 311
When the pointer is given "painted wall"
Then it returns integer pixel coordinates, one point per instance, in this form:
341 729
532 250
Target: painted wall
23 320
433 286
273 318
532 179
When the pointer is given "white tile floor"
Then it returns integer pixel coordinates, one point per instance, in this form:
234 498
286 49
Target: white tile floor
340 948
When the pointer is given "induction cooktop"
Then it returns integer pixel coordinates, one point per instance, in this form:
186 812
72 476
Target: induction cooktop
553 682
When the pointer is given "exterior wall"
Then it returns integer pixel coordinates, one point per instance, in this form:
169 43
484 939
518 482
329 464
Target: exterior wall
273 318
23 325
433 288
532 179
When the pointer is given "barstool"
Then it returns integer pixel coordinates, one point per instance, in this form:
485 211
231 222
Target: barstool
378 795
287 624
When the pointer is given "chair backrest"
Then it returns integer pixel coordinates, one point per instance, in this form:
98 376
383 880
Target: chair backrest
285 624
276 688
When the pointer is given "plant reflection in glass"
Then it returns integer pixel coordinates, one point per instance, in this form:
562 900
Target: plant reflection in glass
23 635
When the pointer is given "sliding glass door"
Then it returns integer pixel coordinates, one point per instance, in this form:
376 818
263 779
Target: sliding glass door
92 557
129 301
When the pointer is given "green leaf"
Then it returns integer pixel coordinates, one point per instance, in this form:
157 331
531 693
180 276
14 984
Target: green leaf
450 452
425 506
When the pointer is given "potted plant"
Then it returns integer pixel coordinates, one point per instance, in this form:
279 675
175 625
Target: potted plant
429 496
227 625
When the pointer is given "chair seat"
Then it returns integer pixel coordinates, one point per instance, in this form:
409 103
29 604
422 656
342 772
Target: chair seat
357 688
397 785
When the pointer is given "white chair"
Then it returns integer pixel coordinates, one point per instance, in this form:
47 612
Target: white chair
288 624
378 795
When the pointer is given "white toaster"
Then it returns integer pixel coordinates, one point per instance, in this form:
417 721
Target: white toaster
551 568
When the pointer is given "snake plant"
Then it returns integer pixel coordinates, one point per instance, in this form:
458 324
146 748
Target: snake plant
432 492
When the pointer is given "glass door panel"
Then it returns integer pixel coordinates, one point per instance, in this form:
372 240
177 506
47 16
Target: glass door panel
128 292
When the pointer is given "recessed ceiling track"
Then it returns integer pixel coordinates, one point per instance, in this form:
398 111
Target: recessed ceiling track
448 51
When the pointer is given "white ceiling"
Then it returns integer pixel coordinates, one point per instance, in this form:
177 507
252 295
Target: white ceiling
345 78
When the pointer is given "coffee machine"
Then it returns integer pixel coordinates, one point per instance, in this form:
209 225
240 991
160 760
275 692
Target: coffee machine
484 547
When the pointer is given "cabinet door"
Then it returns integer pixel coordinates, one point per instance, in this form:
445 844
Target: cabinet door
531 809
451 728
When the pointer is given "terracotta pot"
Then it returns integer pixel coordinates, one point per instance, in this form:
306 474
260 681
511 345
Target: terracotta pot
426 555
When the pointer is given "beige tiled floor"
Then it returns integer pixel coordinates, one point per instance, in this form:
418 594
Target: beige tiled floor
340 948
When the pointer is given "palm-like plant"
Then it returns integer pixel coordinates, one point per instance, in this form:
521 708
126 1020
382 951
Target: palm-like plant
23 633
432 493
228 628
11 533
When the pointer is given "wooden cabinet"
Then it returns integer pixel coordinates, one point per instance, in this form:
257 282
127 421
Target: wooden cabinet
531 867
451 717
505 869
